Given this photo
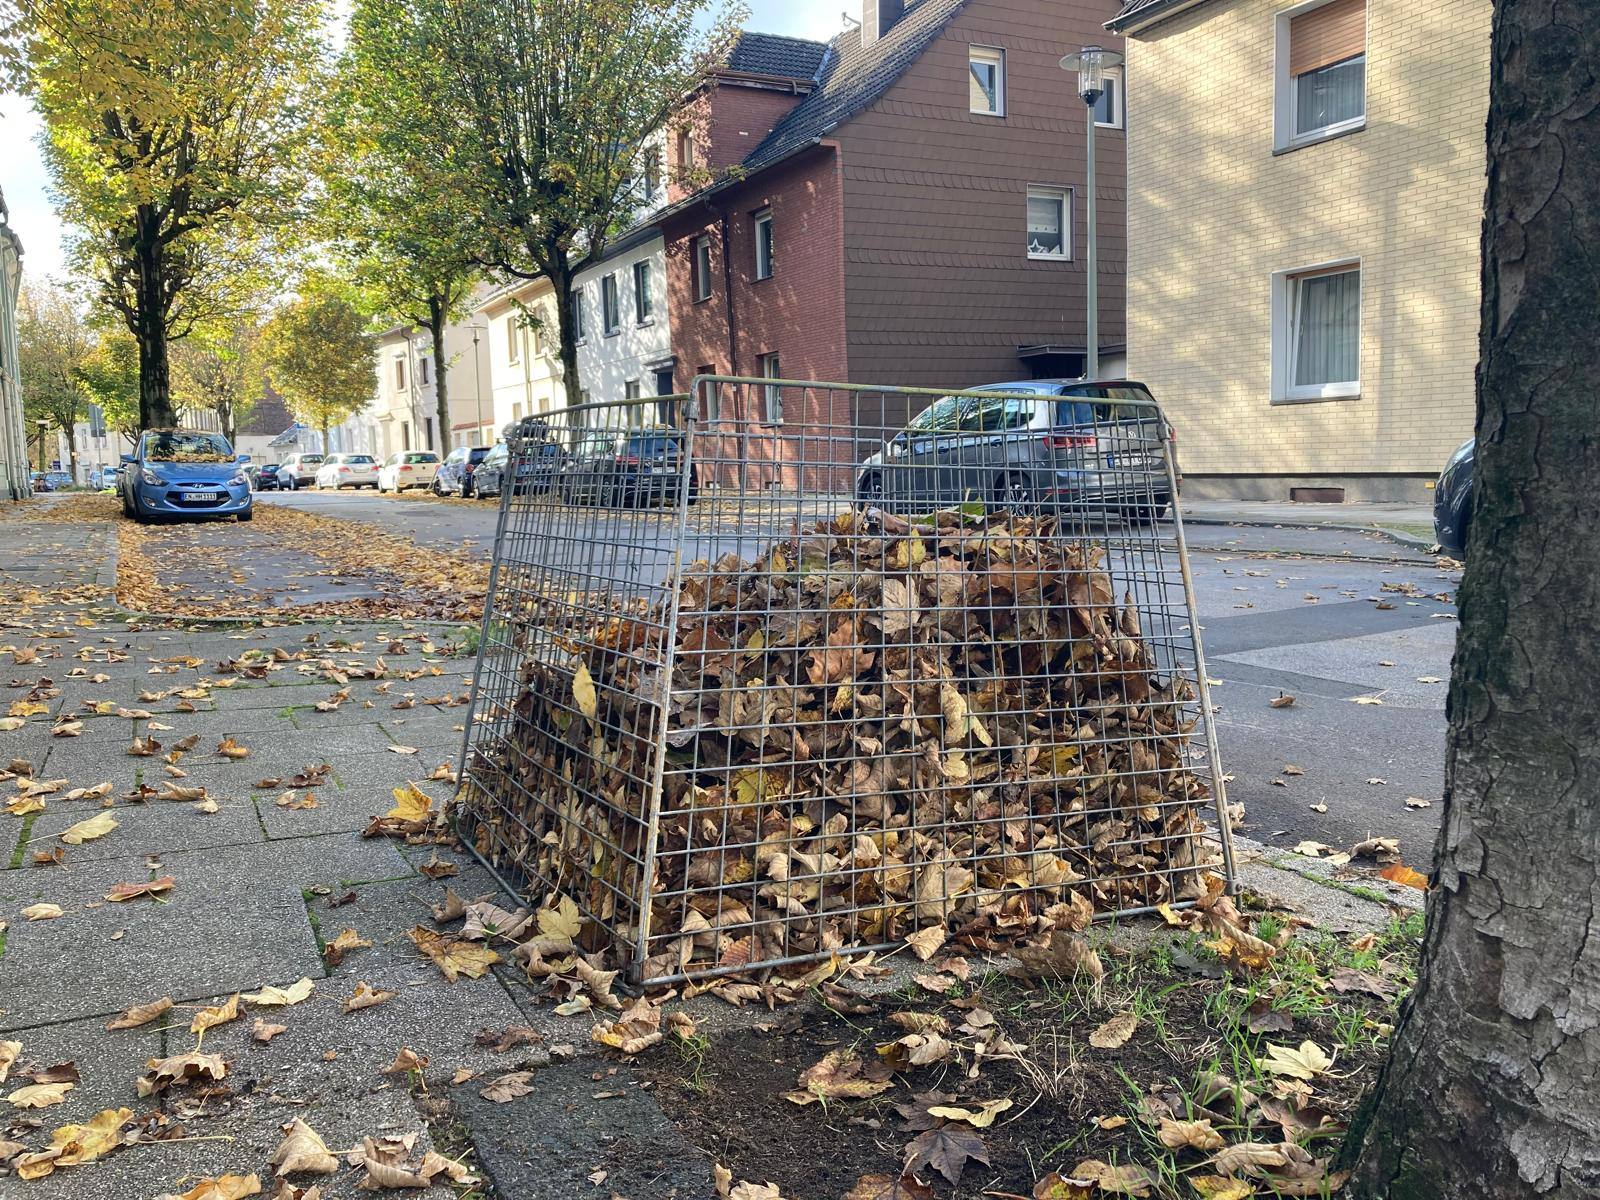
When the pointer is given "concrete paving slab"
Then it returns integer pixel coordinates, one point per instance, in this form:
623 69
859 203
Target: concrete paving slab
359 789
1413 652
235 917
160 827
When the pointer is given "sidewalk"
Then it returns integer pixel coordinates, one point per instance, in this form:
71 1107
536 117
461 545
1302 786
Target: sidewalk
259 890
1409 524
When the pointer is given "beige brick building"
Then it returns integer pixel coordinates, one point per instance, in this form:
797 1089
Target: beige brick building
1305 196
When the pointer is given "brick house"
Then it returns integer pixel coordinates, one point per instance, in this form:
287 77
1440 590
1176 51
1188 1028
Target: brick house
896 206
1306 189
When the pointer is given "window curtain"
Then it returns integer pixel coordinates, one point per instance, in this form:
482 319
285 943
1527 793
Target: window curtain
1328 321
1330 95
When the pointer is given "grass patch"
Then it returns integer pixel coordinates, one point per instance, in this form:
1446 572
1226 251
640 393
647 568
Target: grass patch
21 852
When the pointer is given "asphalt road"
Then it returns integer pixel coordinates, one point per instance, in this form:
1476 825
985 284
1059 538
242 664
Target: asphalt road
1284 611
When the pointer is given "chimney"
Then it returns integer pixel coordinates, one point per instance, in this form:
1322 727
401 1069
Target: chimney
878 17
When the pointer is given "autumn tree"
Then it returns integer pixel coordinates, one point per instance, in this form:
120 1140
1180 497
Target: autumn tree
52 344
541 114
1492 1087
320 357
391 208
217 369
109 374
175 134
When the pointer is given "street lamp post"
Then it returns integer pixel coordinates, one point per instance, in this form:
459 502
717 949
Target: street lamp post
477 371
1090 63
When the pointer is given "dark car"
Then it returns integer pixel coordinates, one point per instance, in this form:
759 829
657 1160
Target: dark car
455 472
1452 501
40 482
184 473
1062 445
264 477
619 469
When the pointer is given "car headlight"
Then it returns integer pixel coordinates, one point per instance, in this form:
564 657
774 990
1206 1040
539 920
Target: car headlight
239 479
154 477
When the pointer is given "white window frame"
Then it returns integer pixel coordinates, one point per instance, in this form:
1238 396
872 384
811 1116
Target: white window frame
630 390
513 339
769 367
765 250
610 305
1284 135
399 373
422 371
1285 341
644 301
1055 192
1119 99
580 327
701 271
994 56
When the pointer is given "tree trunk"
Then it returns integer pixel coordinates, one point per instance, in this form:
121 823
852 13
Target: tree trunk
561 274
436 326
71 430
225 419
150 328
1491 1087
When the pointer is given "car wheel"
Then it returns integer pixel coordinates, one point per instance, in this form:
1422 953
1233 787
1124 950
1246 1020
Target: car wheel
247 515
287 485
870 489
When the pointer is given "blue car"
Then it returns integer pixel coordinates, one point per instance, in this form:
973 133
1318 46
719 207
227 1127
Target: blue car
1452 501
183 473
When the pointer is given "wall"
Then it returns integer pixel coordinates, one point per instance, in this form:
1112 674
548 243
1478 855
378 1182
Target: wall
399 408
14 472
797 314
532 384
1215 213
607 363
941 292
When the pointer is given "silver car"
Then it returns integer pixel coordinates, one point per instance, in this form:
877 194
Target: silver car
1060 445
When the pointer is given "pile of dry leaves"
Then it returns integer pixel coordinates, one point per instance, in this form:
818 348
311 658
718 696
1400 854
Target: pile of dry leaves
876 727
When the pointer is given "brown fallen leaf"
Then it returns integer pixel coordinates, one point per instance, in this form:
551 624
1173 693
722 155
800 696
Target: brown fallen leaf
8 1056
216 1014
889 1187
509 1087
229 748
1196 1135
947 1149
40 1095
42 911
438 868
347 941
636 1029
841 1075
162 1073
132 891
366 996
1281 700
264 1031
1064 956
1124 1180
222 1187
88 830
405 1060
144 747
303 1150
271 995
453 956
1115 1032
1405 876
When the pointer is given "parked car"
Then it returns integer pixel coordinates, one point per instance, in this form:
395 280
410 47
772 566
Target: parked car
59 480
40 482
263 477
1452 501
622 469
454 477
1060 445
340 471
534 472
184 473
408 469
102 478
298 470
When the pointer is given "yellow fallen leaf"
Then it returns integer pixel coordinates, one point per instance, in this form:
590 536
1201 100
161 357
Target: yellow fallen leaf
980 1117
41 912
40 1095
561 920
453 956
293 994
411 803
583 693
229 748
140 1014
366 996
215 1014
303 1149
1114 1032
96 826
100 1134
8 1055
1305 1062
223 1187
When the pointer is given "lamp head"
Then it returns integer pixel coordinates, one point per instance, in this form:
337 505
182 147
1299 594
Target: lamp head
1091 64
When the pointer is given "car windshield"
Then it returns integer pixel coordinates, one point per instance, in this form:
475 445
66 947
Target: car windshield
479 453
422 458
186 447
1093 407
364 460
652 446
310 460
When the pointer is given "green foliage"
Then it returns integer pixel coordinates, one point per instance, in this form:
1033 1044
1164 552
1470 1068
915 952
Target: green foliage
218 368
110 377
175 135
52 343
537 115
320 357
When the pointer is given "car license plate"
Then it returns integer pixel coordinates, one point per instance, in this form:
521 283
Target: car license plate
199 495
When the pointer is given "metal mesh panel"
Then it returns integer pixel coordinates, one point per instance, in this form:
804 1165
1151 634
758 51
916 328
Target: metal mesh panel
797 668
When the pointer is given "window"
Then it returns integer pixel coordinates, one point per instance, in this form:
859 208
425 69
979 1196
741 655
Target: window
1316 333
710 395
685 149
1322 71
422 371
630 390
609 320
702 268
405 434
513 340
427 434
764 245
579 332
399 374
986 80
772 394
1108 109
536 337
643 302
1048 212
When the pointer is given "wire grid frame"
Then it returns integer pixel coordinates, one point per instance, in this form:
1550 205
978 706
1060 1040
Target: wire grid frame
779 669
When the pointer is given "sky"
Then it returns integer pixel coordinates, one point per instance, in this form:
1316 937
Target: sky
25 185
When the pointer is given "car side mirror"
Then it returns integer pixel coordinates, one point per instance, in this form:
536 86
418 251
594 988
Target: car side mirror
127 458
242 459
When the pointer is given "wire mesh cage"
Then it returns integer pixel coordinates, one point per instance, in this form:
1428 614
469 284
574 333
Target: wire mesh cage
777 670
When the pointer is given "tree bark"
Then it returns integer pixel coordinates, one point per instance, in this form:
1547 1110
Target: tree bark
1492 1088
71 430
436 327
560 276
149 326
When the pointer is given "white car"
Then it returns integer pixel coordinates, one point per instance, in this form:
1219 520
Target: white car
408 469
348 470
